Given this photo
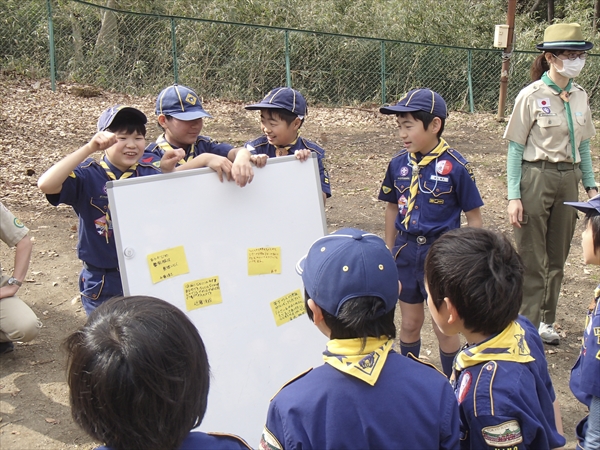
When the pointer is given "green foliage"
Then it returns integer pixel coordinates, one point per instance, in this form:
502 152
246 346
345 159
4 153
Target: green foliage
408 46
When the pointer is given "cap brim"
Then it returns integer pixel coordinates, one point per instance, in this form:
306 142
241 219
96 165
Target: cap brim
548 46
583 206
396 109
264 106
191 115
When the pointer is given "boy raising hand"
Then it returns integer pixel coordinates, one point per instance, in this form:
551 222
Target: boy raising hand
79 181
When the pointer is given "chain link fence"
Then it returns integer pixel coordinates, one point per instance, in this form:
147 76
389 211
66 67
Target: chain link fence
141 53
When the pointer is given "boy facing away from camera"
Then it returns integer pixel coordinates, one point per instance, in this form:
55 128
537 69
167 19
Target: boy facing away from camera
427 185
365 395
80 181
474 280
138 376
282 113
181 116
585 375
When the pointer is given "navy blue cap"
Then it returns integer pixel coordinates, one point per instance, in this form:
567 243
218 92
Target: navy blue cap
346 264
592 204
283 98
109 115
419 100
180 102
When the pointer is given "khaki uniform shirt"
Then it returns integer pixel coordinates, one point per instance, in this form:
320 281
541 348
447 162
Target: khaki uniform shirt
539 123
12 229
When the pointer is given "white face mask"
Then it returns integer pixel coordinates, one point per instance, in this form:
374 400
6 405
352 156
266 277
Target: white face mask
570 69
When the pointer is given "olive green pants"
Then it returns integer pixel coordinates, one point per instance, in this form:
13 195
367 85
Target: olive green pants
544 239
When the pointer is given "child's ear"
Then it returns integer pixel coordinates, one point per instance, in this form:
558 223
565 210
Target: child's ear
316 310
296 123
162 120
452 313
435 126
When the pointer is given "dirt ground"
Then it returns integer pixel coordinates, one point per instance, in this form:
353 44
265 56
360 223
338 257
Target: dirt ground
38 127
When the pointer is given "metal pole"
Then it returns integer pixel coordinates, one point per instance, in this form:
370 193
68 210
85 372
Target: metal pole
51 42
470 79
383 90
512 7
174 47
288 75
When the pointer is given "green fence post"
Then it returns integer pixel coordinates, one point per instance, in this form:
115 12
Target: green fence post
470 78
383 91
288 75
174 46
51 42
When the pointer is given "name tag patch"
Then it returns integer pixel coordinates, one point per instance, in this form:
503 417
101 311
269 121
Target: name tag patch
436 201
436 178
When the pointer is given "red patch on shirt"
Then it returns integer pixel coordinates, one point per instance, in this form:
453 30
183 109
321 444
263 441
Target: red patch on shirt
147 160
465 385
443 167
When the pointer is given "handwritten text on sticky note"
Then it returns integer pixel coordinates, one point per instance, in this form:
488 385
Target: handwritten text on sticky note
288 307
264 260
167 264
201 293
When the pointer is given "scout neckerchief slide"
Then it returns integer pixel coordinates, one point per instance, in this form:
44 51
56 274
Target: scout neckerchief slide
564 96
509 345
414 181
162 143
283 150
111 176
346 356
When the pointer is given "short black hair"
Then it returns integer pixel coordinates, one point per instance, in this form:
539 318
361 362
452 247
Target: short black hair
283 114
593 217
482 275
424 117
127 124
138 374
359 317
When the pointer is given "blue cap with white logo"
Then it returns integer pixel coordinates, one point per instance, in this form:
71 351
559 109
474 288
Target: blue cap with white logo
180 102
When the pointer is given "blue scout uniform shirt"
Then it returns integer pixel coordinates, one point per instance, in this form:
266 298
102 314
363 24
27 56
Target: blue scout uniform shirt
261 146
85 190
585 375
197 440
446 188
203 144
505 392
410 406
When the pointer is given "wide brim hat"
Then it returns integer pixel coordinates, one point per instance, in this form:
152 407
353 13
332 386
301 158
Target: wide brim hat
564 36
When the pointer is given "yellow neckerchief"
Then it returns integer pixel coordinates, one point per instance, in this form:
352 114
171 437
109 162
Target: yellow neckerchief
346 356
509 345
111 176
162 143
283 150
414 182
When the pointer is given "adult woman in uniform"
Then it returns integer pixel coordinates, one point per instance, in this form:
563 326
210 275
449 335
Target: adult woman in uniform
548 154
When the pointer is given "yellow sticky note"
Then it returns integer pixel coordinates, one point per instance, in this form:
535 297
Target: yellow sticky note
264 260
201 293
167 264
288 307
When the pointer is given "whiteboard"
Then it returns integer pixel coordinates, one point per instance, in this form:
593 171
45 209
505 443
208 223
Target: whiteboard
216 223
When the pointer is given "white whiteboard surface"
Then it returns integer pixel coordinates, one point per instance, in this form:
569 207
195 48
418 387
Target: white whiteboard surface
216 223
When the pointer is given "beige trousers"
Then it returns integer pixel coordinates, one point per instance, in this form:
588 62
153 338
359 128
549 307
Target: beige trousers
17 321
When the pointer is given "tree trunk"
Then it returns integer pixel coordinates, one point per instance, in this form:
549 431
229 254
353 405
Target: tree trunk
108 37
77 39
550 11
596 21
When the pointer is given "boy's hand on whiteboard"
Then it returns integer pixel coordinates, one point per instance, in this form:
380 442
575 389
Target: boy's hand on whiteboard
241 170
259 160
221 165
170 159
302 155
101 141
